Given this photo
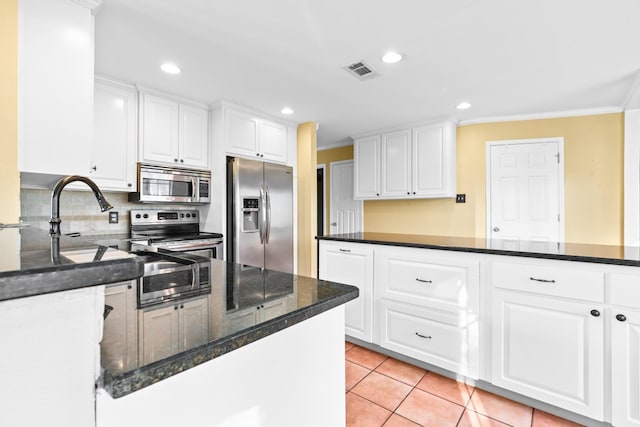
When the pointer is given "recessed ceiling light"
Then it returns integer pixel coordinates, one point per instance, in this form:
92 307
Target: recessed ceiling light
170 68
463 106
287 111
391 57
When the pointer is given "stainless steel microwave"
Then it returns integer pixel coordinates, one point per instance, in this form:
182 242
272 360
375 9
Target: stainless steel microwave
160 184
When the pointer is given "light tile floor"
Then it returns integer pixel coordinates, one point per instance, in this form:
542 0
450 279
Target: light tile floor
382 391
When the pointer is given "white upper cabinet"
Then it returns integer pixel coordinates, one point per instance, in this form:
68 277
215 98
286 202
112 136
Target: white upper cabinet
113 149
55 89
173 132
396 164
406 164
433 161
366 152
248 135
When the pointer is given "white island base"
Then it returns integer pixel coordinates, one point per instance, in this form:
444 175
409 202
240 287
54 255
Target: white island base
295 377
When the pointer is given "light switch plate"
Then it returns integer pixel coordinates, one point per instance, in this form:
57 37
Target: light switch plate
113 217
461 198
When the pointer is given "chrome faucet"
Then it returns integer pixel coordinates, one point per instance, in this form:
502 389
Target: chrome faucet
55 221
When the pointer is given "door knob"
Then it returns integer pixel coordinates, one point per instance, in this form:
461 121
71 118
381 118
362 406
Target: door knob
496 229
334 224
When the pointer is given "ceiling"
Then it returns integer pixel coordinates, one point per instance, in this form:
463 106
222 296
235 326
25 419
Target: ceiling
505 57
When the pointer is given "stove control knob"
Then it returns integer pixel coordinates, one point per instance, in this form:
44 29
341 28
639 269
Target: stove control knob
145 216
181 215
138 216
188 215
193 214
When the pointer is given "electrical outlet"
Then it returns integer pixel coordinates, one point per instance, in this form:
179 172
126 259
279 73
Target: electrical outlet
461 198
113 217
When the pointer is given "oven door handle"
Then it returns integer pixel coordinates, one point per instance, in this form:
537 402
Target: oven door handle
189 246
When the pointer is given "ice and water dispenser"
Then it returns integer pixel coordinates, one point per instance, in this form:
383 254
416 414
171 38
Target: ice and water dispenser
250 210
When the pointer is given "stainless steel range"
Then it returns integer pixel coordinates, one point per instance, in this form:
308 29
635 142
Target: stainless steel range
176 230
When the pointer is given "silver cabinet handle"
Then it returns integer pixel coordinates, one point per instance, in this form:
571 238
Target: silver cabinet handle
542 280
496 229
335 224
423 281
423 336
345 250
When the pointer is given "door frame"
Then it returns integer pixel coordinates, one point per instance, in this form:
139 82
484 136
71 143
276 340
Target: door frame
341 162
557 139
323 166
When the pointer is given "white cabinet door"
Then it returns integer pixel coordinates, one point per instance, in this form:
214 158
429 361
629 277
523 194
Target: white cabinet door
396 164
194 140
118 349
432 165
273 141
159 333
55 88
625 367
366 164
241 131
194 323
550 349
113 156
351 264
160 134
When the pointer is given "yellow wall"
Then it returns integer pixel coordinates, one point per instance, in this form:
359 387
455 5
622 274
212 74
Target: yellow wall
307 212
326 157
593 165
9 176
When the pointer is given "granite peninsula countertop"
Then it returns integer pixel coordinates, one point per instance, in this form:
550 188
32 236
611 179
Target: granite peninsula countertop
33 263
245 304
604 254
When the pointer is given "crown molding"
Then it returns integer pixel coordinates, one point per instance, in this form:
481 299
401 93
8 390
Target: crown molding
93 5
341 144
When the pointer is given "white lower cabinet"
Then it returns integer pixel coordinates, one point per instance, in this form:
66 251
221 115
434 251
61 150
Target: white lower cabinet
550 349
351 264
625 348
625 367
119 349
170 329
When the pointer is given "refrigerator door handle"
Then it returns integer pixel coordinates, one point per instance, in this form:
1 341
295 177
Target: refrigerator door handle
262 215
268 216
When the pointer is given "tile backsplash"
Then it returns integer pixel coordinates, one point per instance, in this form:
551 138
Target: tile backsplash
80 211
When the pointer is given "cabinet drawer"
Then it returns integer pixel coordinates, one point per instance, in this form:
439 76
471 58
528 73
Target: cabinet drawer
432 337
549 278
428 278
410 279
625 289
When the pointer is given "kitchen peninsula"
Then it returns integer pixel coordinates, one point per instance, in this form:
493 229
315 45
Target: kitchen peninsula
252 366
553 325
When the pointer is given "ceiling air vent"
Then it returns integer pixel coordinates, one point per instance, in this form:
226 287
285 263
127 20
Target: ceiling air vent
361 70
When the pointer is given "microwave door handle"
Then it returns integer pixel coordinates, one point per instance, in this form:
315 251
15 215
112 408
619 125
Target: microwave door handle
261 212
195 190
268 215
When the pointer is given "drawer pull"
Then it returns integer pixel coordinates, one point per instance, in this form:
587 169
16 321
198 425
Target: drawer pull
621 317
424 336
345 250
542 280
423 281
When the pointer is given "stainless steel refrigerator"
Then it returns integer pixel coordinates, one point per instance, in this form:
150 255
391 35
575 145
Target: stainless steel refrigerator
260 214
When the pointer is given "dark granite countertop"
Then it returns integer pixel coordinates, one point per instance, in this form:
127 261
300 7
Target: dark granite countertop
33 263
244 305
604 254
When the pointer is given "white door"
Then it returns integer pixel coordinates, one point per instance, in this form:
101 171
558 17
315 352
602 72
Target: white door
525 196
346 213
